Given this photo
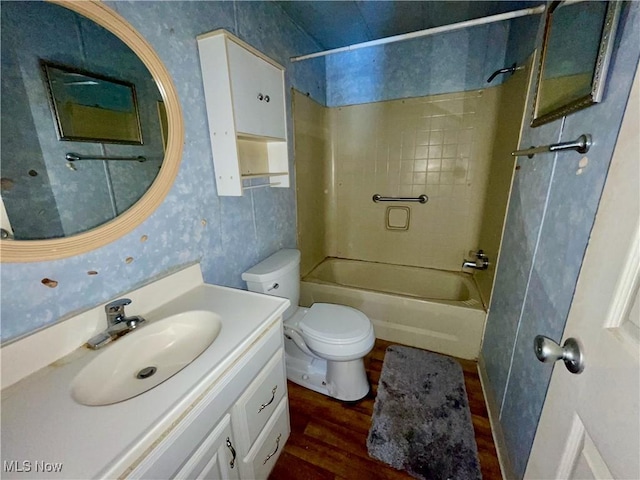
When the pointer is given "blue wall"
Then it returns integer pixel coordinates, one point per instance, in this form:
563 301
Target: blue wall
450 62
238 232
551 213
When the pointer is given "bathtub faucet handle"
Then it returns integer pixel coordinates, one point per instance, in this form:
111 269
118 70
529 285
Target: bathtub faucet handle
478 254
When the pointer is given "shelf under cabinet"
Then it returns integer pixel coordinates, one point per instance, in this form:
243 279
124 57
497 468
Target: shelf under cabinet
263 158
246 176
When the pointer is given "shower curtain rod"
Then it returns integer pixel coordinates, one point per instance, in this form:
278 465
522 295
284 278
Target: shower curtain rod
429 31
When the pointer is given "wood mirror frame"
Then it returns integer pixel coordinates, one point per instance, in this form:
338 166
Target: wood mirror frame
43 250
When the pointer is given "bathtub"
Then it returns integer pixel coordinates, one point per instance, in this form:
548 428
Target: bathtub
431 309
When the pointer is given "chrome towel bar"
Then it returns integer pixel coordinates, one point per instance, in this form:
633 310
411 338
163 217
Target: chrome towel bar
421 199
74 157
581 145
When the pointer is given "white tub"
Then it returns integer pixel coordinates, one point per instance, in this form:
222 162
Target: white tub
431 309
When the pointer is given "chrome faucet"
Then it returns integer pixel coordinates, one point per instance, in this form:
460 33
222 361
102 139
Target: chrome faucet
480 263
118 324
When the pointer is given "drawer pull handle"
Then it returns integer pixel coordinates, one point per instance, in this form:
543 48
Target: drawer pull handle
273 396
274 452
232 463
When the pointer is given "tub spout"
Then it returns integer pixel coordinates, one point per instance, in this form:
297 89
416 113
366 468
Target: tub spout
480 263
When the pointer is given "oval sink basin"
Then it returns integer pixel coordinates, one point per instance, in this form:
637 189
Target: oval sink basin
144 358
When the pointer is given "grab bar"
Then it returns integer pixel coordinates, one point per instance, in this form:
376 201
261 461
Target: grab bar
581 145
74 157
421 199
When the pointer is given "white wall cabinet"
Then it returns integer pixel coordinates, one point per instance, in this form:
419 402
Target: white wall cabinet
245 100
237 430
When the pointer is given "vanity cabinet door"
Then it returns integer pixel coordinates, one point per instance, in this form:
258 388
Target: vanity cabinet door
257 404
258 94
216 458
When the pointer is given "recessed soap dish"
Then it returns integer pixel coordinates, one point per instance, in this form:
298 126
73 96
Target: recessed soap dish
398 218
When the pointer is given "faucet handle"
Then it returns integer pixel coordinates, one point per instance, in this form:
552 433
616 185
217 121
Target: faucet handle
115 310
117 305
477 254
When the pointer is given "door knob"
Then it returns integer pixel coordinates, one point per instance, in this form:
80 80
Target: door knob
548 351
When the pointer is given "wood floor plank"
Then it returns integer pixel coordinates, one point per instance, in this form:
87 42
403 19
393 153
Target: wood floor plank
341 462
328 437
292 467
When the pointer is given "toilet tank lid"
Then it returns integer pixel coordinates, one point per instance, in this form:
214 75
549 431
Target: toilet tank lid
274 266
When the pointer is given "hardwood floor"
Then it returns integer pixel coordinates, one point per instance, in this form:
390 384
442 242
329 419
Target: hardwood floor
328 437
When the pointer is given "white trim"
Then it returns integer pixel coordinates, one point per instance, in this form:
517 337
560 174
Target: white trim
626 286
573 447
429 31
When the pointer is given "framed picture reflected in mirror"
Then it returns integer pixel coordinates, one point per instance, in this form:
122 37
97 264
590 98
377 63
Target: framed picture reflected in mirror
88 107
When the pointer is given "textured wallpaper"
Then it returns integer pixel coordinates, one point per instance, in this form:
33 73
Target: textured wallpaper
225 234
551 212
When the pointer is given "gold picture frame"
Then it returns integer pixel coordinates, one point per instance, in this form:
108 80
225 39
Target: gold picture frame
576 51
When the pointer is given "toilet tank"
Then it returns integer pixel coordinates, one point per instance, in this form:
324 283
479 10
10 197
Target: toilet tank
277 275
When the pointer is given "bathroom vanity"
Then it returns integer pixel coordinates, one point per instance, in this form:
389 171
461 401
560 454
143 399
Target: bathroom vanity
225 415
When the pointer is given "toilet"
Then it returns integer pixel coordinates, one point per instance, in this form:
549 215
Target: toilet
325 344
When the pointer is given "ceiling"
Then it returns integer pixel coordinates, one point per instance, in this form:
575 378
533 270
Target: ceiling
336 24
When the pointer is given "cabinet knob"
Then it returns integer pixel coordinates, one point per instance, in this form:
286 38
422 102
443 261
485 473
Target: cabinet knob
261 97
266 98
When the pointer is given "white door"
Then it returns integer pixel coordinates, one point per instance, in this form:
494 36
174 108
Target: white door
590 422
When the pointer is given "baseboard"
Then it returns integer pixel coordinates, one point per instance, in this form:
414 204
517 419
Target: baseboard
493 407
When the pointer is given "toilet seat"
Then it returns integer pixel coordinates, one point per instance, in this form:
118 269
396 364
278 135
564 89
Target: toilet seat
337 324
336 332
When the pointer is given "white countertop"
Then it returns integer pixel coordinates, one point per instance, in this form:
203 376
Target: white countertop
42 423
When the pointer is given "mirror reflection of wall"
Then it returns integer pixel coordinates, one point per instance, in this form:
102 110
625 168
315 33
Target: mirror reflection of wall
43 196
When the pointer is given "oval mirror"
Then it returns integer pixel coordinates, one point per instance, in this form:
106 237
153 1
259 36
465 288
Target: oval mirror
92 130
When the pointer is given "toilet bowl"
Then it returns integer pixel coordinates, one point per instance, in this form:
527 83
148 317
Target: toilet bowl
325 344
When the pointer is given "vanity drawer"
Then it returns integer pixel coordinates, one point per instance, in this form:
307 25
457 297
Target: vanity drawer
269 445
259 401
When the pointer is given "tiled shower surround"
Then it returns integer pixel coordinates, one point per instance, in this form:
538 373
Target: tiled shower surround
455 148
437 145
